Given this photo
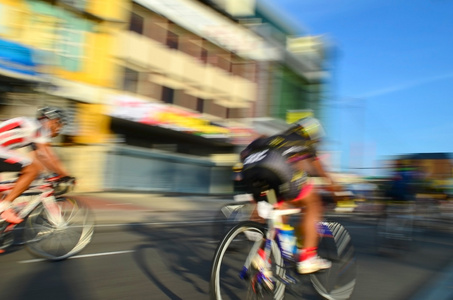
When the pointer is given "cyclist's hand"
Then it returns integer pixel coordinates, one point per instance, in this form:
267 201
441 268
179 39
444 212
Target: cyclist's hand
333 188
68 179
337 188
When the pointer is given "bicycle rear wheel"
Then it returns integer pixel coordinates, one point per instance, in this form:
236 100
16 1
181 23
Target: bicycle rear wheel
58 242
233 276
338 282
6 238
229 215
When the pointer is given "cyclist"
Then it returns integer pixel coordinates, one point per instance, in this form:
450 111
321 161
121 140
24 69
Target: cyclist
22 132
403 182
281 162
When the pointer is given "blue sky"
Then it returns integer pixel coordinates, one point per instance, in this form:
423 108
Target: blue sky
392 84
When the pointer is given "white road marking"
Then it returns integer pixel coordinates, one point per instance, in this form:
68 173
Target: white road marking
79 256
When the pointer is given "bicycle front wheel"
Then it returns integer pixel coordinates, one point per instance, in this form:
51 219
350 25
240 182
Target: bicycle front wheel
232 273
338 282
57 242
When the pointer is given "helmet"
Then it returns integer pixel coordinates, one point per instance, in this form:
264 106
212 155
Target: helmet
311 128
53 113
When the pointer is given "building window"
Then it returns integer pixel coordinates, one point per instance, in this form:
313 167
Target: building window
200 104
204 55
172 40
224 63
136 23
130 80
71 44
78 4
168 94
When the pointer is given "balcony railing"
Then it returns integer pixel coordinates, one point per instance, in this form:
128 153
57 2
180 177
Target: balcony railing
182 70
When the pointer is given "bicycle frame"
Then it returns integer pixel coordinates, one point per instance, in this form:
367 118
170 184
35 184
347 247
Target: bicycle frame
275 269
45 190
54 227
269 211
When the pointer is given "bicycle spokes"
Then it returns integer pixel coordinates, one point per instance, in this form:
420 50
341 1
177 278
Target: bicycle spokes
60 239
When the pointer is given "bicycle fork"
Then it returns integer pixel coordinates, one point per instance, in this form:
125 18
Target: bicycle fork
52 208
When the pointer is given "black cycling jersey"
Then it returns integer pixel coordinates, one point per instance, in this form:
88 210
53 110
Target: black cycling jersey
293 145
268 163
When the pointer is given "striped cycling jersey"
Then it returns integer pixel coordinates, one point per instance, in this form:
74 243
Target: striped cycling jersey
21 132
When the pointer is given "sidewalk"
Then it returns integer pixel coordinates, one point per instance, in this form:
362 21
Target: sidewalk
130 207
123 207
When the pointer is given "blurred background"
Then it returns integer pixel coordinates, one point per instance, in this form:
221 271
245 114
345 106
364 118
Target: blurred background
163 95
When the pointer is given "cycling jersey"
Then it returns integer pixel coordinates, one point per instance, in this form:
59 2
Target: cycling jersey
19 133
291 144
268 163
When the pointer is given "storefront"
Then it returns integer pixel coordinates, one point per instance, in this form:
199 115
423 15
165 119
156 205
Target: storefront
158 147
19 79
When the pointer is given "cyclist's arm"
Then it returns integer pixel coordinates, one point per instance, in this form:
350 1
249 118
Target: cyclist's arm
47 157
321 171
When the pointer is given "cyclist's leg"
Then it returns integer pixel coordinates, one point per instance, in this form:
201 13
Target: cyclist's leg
309 261
15 162
28 174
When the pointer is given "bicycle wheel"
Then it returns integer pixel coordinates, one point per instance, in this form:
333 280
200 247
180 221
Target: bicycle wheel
6 238
233 276
57 242
229 215
338 282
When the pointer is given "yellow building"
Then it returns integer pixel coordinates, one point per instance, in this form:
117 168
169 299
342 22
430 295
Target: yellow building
59 53
175 57
72 44
171 75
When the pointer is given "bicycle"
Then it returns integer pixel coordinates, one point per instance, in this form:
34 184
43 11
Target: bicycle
232 213
233 276
54 227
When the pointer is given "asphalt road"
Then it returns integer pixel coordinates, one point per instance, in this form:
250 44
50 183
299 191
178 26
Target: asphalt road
169 257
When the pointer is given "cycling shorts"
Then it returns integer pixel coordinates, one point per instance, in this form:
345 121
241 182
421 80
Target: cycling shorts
269 169
13 161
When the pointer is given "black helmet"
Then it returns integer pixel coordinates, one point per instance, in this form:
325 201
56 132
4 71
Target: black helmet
53 113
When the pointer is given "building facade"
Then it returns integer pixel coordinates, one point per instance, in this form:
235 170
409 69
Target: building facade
58 53
294 82
162 93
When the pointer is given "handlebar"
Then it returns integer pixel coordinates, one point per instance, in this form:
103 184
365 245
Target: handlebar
61 184
60 179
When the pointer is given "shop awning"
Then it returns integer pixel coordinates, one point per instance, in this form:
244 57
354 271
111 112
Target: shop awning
164 135
16 61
